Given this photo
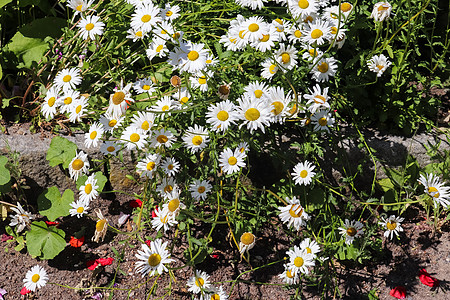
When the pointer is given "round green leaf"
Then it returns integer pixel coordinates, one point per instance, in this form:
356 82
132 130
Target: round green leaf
45 242
52 205
5 176
61 151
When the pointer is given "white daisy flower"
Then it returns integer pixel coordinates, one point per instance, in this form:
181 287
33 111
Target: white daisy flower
199 282
300 260
254 29
287 57
152 260
317 33
325 68
118 101
164 30
267 42
196 138
88 191
35 278
322 120
144 120
310 246
252 4
393 225
295 34
144 85
381 11
101 227
243 147
167 186
270 68
317 99
135 35
109 147
281 26
65 102
378 64
182 96
170 13
51 103
279 103
312 54
351 230
303 7
170 166
289 276
231 162
147 167
67 79
79 165
303 173
158 48
200 80
211 61
91 139
174 205
162 137
246 242
346 9
77 109
79 6
255 113
221 115
134 138
436 189
257 90
293 214
162 219
21 219
79 208
164 106
90 27
200 189
194 57
145 17
214 294
110 122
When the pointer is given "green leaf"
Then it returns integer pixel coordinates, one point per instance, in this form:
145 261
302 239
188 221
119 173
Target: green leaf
315 199
45 242
61 151
385 184
4 2
44 27
101 180
389 51
26 49
5 175
52 205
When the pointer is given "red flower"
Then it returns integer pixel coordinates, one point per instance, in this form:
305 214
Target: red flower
427 279
24 291
76 243
135 203
92 264
398 292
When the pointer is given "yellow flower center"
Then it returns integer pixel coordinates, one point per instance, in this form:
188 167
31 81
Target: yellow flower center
89 26
202 80
118 97
154 259
382 8
88 188
273 69
110 149
215 297
303 4
433 192
35 278
279 21
173 205
265 38
252 114
164 219
293 210
316 33
308 250
163 32
139 33
199 282
232 160
145 125
351 231
68 100
169 13
242 34
112 123
289 274
146 18
80 209
323 67
391 225
319 99
197 140
323 121
176 35
308 19
184 100
67 78
258 93
170 167
303 174
78 109
162 139
201 189
93 135
247 238
345 7
150 165
77 164
79 7
278 107
253 27
165 107
297 33
285 57
334 30
134 137
380 67
298 261
159 48
100 226
51 101
168 188
193 55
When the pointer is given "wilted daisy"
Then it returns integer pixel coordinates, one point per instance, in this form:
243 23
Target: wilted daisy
118 100
134 138
162 219
90 27
200 189
170 166
436 189
147 167
79 6
77 109
302 7
378 64
289 276
351 230
381 11
303 173
101 227
287 57
198 282
145 17
224 90
109 147
78 165
393 225
170 13
144 85
162 137
91 139
231 161
21 219
221 115
143 120
68 78
79 208
310 246
35 278
50 104
293 214
317 99
247 242
110 122
270 68
322 120
88 191
255 113
300 260
325 68
153 259
195 138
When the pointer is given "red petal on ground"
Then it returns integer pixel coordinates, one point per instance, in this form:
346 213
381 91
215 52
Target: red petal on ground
92 264
427 279
154 213
147 242
215 256
24 291
105 261
135 203
6 237
74 242
51 223
398 292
